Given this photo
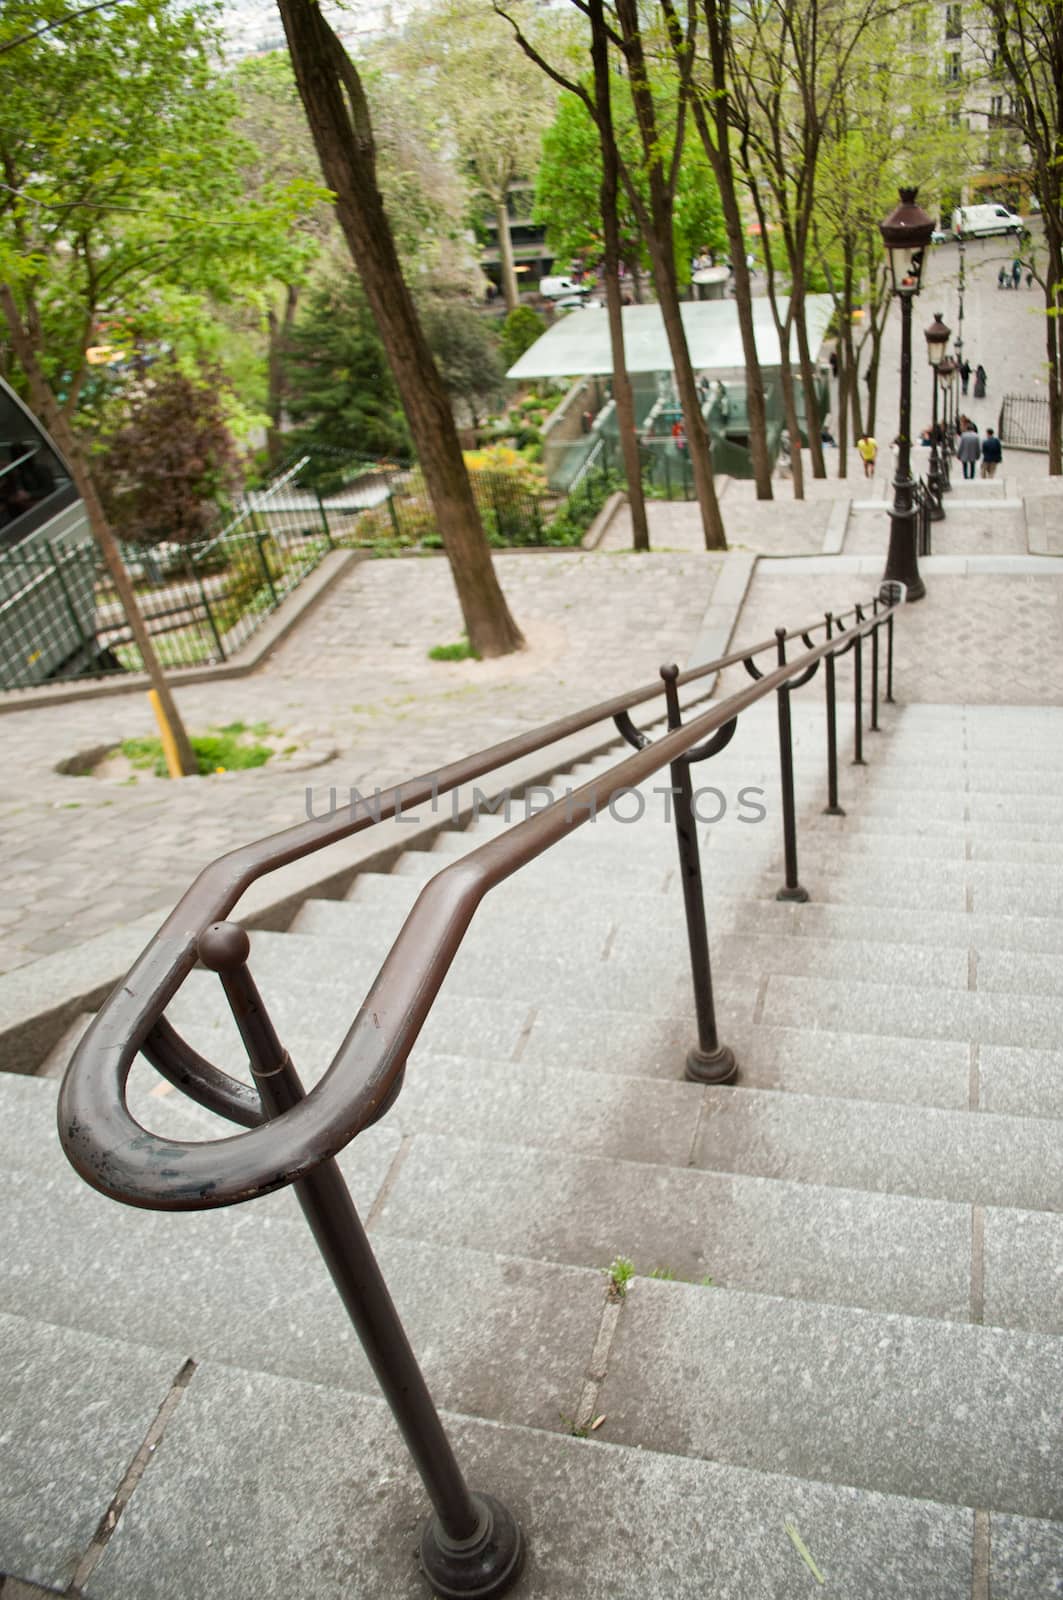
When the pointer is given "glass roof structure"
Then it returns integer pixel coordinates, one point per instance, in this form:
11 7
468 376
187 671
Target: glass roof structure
578 344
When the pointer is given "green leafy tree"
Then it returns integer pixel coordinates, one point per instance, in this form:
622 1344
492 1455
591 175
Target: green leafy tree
466 351
519 332
171 460
341 394
121 209
494 102
1025 48
567 193
338 113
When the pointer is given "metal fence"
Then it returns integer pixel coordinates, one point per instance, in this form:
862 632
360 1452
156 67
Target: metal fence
1023 421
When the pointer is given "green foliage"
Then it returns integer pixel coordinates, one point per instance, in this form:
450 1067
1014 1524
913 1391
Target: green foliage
519 332
341 395
466 351
619 1274
462 651
568 188
221 750
124 214
170 460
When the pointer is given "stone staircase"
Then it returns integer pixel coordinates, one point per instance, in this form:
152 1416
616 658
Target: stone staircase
837 1364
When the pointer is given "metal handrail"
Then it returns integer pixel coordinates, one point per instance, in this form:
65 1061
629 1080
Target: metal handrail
471 1544
120 1158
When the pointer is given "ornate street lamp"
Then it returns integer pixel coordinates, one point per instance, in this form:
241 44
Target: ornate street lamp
905 233
937 337
946 376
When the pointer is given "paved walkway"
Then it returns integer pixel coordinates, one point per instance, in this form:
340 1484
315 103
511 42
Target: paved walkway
82 855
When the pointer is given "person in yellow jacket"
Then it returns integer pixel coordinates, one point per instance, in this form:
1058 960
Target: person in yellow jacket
867 450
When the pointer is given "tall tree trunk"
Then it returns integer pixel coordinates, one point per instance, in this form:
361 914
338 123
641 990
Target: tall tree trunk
718 154
813 422
1053 288
842 414
789 400
338 114
510 287
279 333
55 420
622 392
660 242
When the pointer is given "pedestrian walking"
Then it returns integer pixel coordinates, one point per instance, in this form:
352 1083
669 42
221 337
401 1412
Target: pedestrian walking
1002 278
1016 273
969 449
1029 277
867 450
965 373
980 381
991 454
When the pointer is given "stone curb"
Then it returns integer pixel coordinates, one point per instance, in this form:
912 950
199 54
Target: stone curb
604 520
837 528
247 659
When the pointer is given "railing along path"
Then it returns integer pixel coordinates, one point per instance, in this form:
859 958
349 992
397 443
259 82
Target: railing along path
471 1545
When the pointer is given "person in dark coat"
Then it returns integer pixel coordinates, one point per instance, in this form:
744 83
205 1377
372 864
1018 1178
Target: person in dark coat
980 380
969 449
965 373
991 454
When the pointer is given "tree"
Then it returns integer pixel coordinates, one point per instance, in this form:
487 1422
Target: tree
789 64
466 351
661 147
279 150
495 103
338 113
172 459
568 192
341 394
706 86
519 332
1027 36
120 210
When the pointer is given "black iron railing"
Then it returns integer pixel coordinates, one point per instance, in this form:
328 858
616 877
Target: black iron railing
471 1545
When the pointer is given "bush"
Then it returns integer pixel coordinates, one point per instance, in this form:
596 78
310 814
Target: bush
519 332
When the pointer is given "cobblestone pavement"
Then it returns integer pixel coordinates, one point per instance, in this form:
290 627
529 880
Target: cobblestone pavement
82 855
976 640
783 526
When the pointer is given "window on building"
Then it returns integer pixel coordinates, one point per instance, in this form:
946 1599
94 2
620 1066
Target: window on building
953 67
953 27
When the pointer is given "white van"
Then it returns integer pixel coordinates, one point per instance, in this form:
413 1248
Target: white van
978 222
556 288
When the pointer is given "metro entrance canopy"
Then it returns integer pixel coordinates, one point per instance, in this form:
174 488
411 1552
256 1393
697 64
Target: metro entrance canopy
578 344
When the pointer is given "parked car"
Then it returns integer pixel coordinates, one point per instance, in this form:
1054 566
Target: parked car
560 288
979 222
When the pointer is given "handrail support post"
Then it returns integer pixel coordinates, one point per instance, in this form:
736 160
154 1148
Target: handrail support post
858 695
471 1545
791 889
709 1061
832 808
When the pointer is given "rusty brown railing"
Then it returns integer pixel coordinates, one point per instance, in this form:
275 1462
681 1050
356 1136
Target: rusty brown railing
472 1545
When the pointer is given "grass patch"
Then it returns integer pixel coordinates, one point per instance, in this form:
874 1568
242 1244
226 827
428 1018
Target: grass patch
462 651
221 750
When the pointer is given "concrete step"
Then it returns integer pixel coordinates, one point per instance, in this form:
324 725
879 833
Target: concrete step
729 913
748 1233
1033 1022
948 1413
589 947
497 1337
468 1214
976 1157
342 1531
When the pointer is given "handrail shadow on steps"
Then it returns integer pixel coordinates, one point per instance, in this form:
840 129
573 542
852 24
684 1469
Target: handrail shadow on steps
471 1544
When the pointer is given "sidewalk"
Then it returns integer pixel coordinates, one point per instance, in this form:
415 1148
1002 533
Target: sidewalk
83 855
